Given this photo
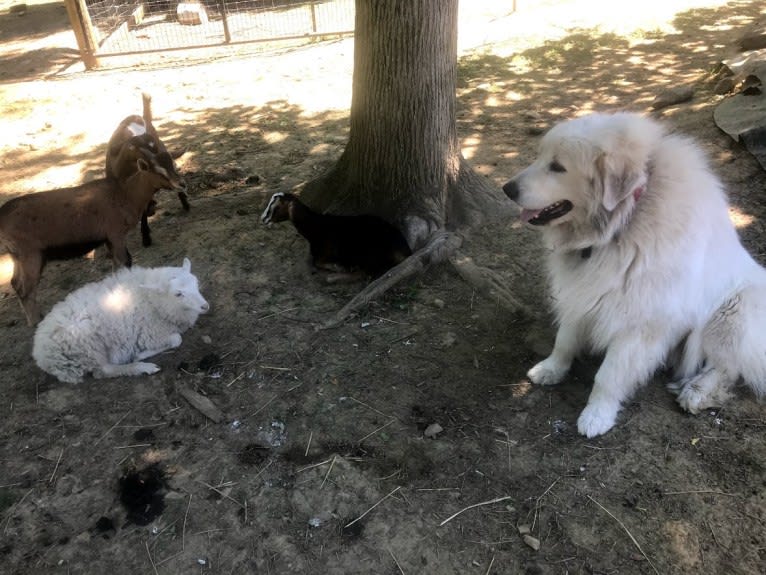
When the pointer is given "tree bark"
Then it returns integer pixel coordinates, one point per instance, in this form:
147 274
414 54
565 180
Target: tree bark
403 160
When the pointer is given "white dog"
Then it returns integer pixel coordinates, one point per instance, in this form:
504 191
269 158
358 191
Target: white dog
644 261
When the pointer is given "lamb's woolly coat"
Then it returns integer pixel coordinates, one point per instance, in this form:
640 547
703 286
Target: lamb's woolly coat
107 327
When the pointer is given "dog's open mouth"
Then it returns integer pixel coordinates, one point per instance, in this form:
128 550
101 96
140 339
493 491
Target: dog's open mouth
547 214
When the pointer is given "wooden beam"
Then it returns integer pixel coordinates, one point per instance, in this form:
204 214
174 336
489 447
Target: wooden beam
83 31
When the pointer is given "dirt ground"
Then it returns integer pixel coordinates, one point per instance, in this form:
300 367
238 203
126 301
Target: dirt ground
321 463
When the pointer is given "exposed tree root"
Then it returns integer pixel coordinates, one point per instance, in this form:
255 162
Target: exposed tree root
441 247
490 284
438 249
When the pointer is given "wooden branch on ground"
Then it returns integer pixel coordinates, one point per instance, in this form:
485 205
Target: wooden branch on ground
202 404
489 283
441 247
438 249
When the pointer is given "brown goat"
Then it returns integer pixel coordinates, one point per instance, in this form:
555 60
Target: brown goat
130 127
70 222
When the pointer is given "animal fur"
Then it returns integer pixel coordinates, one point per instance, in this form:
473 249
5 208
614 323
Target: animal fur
70 222
107 328
129 128
643 260
363 243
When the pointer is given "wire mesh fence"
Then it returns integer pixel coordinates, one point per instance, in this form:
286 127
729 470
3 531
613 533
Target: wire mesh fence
119 27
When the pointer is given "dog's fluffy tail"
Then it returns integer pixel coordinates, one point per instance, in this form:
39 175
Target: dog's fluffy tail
734 340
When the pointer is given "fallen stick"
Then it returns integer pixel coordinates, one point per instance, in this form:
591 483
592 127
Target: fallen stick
451 517
371 508
628 532
202 404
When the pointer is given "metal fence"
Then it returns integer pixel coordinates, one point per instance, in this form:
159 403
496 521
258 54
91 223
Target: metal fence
119 27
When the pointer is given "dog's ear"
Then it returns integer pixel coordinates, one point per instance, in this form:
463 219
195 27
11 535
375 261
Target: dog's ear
619 177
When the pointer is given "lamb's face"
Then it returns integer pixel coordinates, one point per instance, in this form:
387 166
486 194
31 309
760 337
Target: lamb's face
183 292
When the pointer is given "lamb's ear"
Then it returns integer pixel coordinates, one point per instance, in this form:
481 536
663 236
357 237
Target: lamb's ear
186 265
620 177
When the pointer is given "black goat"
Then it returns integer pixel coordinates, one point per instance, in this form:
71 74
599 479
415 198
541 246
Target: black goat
341 243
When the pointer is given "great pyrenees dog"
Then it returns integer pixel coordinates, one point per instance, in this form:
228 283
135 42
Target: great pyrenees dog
645 265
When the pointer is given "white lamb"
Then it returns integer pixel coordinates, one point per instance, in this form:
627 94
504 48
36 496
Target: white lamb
107 328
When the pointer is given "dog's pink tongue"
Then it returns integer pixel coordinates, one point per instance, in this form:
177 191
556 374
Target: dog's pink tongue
527 215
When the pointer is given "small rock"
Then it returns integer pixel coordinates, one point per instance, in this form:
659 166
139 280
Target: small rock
673 96
207 339
524 529
439 303
253 180
533 542
433 430
755 38
724 85
448 340
751 85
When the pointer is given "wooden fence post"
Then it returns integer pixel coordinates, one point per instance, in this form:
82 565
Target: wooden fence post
224 17
83 31
313 17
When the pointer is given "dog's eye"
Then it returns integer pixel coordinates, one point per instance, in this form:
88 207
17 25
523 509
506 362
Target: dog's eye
555 166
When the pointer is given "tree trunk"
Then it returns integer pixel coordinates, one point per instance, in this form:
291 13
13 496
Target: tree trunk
403 160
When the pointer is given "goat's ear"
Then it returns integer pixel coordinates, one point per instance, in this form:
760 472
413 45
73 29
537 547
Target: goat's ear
186 265
143 165
619 178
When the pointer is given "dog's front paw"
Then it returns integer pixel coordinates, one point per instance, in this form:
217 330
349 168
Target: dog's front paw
547 372
597 418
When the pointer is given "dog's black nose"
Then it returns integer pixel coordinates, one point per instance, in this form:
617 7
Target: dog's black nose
511 189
